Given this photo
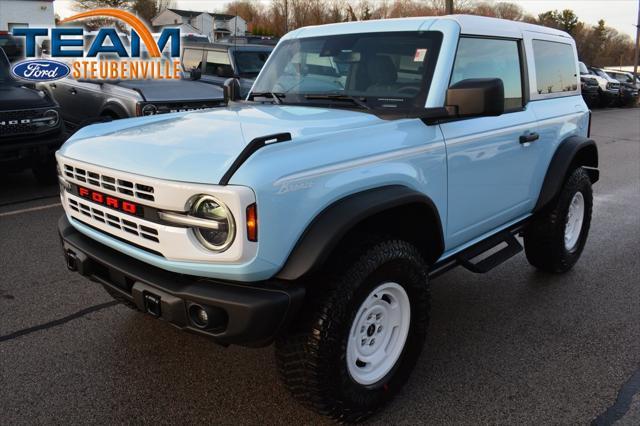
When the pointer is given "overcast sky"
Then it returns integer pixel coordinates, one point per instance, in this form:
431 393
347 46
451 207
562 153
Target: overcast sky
619 14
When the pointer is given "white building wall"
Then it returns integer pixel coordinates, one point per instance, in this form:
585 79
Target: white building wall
166 17
32 13
237 25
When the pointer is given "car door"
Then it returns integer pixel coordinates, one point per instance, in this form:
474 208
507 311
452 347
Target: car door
490 160
83 101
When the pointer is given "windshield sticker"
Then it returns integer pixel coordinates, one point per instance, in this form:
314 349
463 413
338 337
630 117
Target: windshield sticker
420 55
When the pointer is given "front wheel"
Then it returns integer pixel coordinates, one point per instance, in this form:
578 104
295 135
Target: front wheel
353 352
555 239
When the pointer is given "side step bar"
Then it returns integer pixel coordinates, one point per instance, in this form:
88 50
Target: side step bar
472 257
466 257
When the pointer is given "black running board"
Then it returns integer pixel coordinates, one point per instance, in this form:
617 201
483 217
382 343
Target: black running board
472 257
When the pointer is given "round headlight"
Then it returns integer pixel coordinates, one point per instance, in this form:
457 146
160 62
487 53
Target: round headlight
207 207
149 109
51 117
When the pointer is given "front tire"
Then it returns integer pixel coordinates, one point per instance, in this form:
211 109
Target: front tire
555 239
353 352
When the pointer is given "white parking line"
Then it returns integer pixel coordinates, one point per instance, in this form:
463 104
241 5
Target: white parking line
31 209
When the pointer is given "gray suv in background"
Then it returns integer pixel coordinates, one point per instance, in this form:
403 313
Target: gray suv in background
215 63
89 101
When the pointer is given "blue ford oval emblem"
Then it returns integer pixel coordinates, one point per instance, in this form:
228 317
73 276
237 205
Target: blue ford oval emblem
40 70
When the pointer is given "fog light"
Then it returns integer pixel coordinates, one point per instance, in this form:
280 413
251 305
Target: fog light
199 316
202 316
208 317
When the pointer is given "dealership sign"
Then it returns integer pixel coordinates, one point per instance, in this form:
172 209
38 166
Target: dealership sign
106 57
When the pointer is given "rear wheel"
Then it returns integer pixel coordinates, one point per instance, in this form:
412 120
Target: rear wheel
354 350
555 239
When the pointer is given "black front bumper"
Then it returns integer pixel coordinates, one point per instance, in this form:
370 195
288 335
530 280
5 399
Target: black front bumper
248 314
29 150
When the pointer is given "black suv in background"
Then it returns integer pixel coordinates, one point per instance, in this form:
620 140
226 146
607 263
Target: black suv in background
628 88
31 129
218 62
12 47
590 90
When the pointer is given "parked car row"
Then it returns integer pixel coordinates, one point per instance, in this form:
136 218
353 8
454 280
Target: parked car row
603 88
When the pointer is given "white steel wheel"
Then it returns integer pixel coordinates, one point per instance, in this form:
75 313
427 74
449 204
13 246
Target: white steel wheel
575 217
378 333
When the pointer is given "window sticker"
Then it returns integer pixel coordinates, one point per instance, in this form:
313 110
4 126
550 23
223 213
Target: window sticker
420 55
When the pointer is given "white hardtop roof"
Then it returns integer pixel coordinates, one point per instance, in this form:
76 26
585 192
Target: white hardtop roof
469 24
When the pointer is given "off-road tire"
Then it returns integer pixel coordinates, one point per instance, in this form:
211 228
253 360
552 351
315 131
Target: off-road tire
544 237
312 356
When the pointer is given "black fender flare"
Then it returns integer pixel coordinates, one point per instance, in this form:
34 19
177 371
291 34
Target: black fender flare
113 108
333 223
573 151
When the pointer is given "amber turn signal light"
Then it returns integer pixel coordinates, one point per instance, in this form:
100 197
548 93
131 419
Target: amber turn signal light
252 222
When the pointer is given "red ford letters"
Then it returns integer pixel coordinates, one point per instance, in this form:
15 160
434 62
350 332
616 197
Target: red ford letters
109 201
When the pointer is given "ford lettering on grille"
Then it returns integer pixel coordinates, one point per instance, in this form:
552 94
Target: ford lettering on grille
110 201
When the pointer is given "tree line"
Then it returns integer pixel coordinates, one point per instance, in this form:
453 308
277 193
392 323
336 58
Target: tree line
598 45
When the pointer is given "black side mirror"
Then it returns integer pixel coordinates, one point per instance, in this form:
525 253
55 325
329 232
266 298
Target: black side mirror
195 74
224 71
231 89
475 97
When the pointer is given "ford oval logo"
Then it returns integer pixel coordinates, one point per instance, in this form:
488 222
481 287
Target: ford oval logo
40 70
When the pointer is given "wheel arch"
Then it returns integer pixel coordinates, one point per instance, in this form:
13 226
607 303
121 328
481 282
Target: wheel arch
368 211
574 151
114 110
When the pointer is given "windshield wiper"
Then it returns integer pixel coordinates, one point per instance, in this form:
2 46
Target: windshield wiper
360 101
276 96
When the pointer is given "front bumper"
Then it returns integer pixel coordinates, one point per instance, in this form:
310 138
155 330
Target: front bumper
27 150
243 314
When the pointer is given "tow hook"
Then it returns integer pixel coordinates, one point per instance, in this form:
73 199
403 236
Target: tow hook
152 305
72 260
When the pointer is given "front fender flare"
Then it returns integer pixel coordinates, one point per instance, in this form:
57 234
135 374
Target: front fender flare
329 227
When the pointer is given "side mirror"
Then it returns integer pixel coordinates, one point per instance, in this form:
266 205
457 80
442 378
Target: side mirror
195 74
476 97
224 71
231 89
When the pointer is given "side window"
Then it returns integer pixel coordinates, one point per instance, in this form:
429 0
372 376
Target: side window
217 63
191 58
491 58
555 67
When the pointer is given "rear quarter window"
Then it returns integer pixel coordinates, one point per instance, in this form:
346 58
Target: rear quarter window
556 70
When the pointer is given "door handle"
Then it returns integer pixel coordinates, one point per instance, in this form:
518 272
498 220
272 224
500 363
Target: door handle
529 137
73 92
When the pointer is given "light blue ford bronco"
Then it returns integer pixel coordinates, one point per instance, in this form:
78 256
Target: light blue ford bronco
368 158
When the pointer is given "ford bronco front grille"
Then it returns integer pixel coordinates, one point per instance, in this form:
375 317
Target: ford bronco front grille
127 187
103 216
18 122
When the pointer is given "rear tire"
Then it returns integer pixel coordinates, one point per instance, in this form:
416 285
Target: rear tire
555 239
332 362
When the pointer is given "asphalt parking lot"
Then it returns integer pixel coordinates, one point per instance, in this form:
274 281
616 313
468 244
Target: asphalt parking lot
514 346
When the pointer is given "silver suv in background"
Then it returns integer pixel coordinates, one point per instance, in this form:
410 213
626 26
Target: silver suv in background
215 63
89 101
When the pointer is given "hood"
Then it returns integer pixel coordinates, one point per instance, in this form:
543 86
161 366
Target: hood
174 90
15 96
199 147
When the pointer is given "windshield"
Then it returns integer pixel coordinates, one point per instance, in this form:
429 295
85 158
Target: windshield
249 63
387 71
